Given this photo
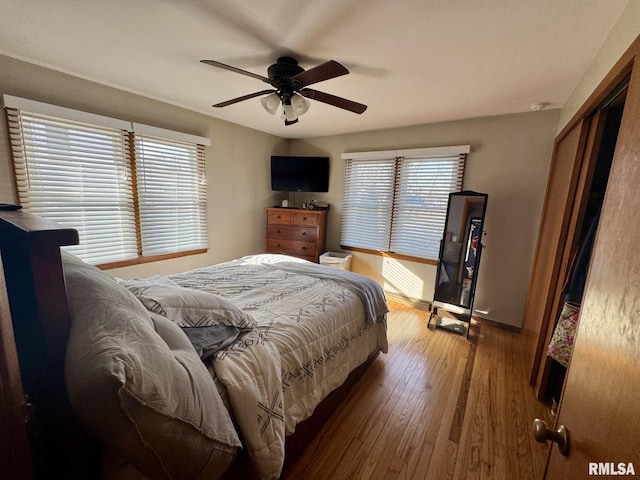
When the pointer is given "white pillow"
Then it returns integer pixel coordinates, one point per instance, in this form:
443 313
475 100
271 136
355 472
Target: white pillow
187 307
137 384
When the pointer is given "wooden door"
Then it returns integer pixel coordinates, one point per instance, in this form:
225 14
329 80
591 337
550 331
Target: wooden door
600 405
585 166
559 201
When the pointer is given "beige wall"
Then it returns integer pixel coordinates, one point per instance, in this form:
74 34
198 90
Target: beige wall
619 39
237 162
509 160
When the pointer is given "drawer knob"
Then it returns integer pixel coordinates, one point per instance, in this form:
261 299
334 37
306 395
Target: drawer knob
278 216
278 245
304 248
304 218
278 230
303 233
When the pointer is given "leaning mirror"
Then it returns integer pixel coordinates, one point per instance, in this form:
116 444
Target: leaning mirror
459 259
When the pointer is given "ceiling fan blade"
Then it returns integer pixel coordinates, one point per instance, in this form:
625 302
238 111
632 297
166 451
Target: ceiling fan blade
240 99
224 66
325 71
333 100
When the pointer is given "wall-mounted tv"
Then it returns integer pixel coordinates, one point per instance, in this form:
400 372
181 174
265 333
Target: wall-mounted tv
299 174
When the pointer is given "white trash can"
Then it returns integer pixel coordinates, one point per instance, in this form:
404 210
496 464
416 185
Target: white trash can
336 260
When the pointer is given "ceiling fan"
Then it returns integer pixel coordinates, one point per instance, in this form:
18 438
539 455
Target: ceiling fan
290 81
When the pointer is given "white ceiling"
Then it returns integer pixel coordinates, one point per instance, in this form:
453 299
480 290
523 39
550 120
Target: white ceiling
411 61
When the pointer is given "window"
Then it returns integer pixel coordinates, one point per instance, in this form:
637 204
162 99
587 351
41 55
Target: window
368 203
82 170
396 201
171 194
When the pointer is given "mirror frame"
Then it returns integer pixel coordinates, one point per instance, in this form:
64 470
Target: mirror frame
440 301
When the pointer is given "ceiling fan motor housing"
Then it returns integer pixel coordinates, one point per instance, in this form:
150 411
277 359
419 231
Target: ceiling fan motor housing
282 71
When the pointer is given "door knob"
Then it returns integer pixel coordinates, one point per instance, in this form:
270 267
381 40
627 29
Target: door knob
561 436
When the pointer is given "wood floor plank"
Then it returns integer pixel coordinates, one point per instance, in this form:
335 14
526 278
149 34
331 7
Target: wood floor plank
437 406
442 464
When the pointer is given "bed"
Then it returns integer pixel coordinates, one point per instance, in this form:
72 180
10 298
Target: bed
204 369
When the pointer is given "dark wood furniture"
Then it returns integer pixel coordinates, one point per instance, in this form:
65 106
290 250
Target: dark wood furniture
40 435
15 456
296 232
40 323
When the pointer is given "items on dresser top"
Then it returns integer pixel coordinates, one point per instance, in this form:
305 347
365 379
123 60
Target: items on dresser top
296 232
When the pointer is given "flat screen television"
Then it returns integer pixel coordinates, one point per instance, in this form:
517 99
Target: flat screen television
299 174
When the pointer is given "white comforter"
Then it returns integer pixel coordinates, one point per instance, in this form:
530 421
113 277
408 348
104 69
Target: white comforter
312 331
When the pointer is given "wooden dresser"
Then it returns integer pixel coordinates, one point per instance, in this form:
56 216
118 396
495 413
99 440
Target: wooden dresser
300 233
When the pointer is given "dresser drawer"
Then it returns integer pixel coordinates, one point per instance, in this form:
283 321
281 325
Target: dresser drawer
290 232
279 217
295 232
305 218
291 247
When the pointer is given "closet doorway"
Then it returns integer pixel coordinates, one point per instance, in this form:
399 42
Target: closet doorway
577 185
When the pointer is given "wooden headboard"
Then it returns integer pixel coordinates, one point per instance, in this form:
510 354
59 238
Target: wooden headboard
43 438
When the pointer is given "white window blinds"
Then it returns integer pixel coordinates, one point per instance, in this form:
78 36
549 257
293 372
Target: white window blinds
368 203
79 175
171 195
406 202
129 195
422 192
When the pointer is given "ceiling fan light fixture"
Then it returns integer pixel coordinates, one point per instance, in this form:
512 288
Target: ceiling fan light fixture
300 104
289 79
271 103
289 112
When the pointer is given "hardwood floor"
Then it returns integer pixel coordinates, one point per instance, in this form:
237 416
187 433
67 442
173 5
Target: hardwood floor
437 406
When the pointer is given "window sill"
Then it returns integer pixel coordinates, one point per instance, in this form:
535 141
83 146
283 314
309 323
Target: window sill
397 256
154 258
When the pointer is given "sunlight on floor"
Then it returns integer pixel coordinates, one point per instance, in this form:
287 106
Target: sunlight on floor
406 332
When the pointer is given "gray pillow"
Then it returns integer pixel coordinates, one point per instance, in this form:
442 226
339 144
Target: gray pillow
187 307
137 384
